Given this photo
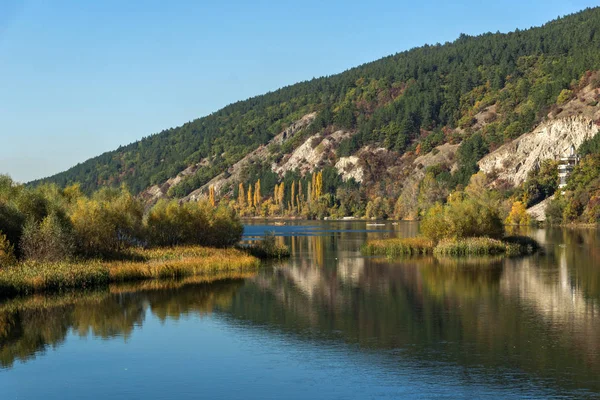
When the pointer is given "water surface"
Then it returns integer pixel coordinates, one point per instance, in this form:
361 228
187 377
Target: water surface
327 323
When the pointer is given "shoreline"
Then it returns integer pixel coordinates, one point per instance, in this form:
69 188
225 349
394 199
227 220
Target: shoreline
29 278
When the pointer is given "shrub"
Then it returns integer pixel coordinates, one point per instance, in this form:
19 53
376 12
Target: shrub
554 211
377 208
170 223
226 229
51 240
268 248
107 223
462 217
518 214
11 222
525 244
7 254
564 96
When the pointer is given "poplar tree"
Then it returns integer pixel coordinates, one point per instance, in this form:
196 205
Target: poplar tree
293 195
211 195
241 196
257 197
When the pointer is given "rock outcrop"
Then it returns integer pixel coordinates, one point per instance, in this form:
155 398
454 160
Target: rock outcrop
513 161
538 212
314 151
232 175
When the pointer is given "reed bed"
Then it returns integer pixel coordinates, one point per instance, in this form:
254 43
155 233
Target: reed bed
266 249
398 247
164 263
478 246
181 262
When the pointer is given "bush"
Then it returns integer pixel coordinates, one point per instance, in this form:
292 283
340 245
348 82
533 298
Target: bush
564 96
7 254
268 248
462 217
170 223
554 211
11 222
108 223
51 240
378 209
226 229
518 214
525 244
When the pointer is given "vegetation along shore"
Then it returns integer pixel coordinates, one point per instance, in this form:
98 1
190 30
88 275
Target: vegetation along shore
468 224
53 239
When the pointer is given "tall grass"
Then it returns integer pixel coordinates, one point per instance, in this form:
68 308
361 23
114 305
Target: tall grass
268 247
475 246
398 247
34 277
479 246
181 262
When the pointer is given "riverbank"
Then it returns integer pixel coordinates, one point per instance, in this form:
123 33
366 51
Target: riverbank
137 265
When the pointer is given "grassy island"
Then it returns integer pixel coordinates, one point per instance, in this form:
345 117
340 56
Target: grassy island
469 224
454 247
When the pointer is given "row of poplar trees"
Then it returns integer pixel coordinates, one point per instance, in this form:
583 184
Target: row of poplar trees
297 197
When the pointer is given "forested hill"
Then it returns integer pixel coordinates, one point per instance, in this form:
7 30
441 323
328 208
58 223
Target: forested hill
411 100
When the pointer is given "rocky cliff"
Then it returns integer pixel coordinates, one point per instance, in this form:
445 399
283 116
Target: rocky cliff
550 140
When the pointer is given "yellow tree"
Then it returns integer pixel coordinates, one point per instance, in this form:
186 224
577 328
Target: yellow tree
300 195
318 188
250 198
518 214
257 196
281 193
241 196
293 195
211 195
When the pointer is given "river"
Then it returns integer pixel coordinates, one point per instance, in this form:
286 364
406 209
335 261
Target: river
325 324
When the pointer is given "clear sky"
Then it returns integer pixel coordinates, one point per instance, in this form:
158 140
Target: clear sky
78 78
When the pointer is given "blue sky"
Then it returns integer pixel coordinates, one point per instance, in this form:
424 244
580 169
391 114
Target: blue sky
78 78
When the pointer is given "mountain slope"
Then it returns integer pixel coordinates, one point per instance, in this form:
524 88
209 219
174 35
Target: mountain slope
499 85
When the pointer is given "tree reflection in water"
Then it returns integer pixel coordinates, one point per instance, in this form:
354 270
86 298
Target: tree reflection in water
500 317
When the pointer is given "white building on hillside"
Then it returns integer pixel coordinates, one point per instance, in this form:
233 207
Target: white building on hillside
565 167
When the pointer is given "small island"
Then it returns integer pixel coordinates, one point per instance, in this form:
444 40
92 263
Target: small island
469 224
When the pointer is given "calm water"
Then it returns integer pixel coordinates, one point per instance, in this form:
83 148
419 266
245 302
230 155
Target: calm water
328 323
